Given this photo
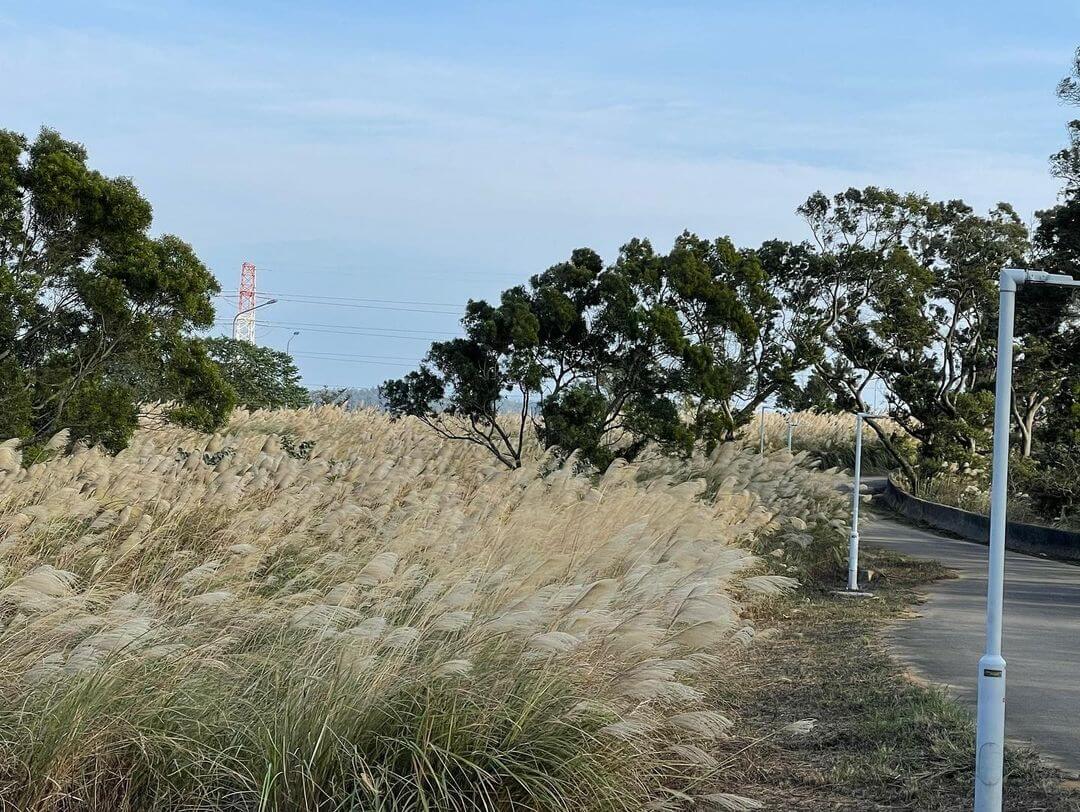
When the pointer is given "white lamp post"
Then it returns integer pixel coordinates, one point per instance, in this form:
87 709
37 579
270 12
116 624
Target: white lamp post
762 432
990 733
792 421
853 538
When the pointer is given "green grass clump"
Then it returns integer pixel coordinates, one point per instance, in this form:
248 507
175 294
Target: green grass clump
296 728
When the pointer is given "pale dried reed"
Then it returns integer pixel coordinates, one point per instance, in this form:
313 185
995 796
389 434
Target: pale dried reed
393 622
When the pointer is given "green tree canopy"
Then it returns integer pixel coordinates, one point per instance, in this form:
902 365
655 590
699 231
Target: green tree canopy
902 290
604 360
261 377
1053 321
96 316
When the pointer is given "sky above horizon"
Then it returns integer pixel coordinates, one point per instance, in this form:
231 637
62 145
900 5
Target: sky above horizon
422 154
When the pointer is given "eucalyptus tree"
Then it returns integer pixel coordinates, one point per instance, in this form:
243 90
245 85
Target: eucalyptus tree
95 314
1048 322
901 290
1051 478
1066 163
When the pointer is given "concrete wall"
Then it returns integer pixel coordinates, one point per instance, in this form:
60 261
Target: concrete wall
1023 538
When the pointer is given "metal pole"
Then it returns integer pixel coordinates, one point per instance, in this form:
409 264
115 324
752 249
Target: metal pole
856 492
762 443
990 735
853 538
242 312
289 342
990 717
790 428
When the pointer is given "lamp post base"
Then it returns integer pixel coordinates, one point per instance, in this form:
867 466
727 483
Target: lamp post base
853 556
990 734
853 593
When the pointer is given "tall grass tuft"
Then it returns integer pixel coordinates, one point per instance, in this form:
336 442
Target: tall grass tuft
830 439
389 622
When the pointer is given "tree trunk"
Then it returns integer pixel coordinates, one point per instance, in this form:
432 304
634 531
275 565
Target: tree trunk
1025 420
910 474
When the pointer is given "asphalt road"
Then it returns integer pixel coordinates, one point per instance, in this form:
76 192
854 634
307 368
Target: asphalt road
1041 642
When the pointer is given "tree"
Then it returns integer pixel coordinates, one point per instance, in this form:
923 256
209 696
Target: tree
902 290
602 360
179 373
1066 163
87 296
815 395
730 309
1051 333
261 377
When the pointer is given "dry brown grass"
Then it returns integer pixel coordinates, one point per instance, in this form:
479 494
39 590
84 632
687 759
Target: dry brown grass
390 622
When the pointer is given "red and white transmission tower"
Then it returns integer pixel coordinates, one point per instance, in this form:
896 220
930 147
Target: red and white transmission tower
244 323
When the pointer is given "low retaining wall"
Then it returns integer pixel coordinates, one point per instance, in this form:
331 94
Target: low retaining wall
1023 538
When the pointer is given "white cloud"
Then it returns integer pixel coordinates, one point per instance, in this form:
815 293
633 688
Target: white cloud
447 164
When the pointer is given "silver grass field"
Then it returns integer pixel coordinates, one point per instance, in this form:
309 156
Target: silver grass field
379 621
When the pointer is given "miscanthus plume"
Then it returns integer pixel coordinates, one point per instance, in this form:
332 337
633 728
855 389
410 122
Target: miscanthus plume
386 621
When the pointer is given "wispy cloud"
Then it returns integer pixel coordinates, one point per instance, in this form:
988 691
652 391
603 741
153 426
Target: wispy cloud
406 158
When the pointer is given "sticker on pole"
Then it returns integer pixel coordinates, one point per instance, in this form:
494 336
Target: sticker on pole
991 672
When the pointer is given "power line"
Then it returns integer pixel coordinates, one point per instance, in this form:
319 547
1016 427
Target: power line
356 360
348 330
353 272
356 299
408 360
331 303
422 333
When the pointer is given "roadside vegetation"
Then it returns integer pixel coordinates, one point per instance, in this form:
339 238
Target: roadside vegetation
331 610
828 438
1044 493
883 740
327 609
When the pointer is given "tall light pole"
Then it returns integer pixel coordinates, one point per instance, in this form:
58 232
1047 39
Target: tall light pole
761 442
990 731
289 342
853 538
245 312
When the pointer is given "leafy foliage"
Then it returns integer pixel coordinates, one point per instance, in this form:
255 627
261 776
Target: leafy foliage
604 360
263 378
88 299
898 289
1052 482
1066 163
298 451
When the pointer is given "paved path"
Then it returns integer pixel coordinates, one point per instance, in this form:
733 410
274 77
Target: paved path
1041 636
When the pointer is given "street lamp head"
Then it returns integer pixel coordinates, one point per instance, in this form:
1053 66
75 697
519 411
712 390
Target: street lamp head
1012 277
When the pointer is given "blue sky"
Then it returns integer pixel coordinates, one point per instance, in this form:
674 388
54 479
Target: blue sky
432 152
